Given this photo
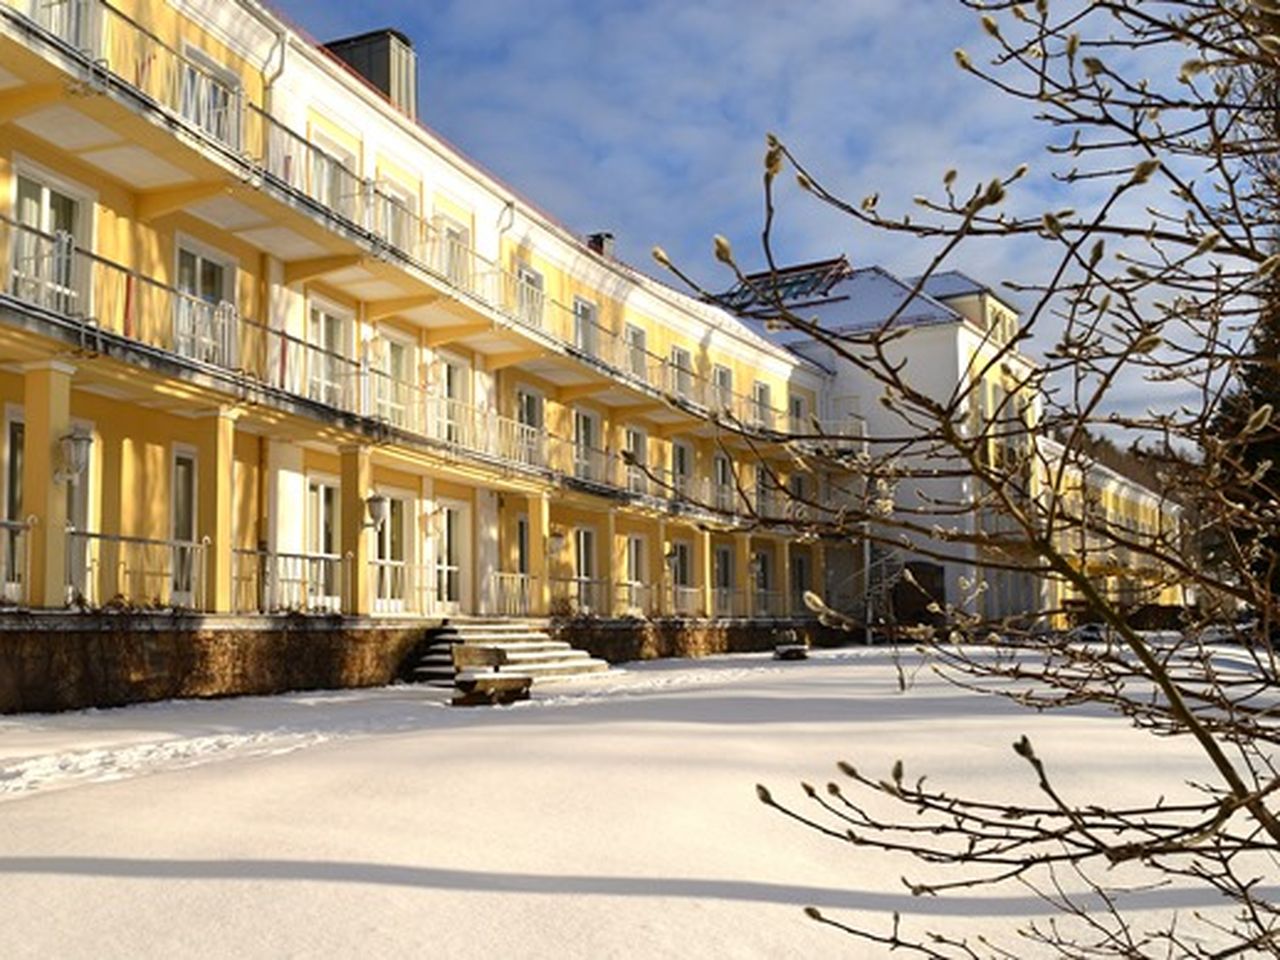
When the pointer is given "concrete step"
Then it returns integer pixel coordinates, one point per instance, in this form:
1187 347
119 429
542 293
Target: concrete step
549 671
545 656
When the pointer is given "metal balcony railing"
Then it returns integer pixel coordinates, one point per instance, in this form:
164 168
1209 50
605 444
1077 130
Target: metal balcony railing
15 561
513 593
135 571
268 582
210 102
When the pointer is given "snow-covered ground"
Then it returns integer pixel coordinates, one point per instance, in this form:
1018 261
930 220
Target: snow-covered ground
614 817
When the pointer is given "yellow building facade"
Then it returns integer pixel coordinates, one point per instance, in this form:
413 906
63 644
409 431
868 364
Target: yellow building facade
267 345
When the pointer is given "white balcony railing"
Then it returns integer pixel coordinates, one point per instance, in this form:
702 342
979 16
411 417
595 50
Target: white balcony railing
400 587
635 599
582 596
15 561
135 571
268 582
686 601
513 594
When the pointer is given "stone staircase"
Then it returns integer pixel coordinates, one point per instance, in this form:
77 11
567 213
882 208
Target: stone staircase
501 646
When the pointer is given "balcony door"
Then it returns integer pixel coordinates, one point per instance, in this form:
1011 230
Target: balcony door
453 379
453 551
326 354
586 429
184 547
14 554
394 380
204 322
391 560
584 568
324 542
50 227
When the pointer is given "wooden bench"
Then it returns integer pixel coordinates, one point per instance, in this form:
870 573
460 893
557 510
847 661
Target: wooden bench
791 651
490 689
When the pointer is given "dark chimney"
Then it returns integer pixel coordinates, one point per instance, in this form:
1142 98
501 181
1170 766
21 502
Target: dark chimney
601 243
386 59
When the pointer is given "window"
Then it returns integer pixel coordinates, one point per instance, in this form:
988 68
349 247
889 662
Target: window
14 555
762 489
333 180
637 444
392 571
637 355
397 210
522 544
681 365
722 477
455 253
183 496
529 296
761 400
209 97
393 369
681 467
584 326
722 380
323 532
327 364
449 552
584 554
204 318
587 461
636 572
681 564
762 565
44 258
453 421
798 407
722 567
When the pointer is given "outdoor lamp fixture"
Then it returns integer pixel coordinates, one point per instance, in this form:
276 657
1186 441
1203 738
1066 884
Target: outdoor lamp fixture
74 451
377 505
555 541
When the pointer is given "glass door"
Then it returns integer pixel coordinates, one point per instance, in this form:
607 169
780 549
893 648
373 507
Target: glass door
13 548
326 338
323 586
184 531
449 558
202 318
44 262
391 566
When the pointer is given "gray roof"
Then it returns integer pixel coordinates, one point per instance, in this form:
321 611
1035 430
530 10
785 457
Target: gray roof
863 300
951 283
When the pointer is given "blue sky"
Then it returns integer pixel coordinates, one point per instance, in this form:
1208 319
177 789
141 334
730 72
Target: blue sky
648 118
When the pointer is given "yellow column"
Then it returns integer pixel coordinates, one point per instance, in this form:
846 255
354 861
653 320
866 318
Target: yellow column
47 414
660 571
539 506
742 544
357 482
216 481
612 568
702 568
784 574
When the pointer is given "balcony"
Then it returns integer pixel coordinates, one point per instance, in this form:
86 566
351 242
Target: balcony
208 104
15 561
635 599
400 587
686 601
513 594
267 582
105 569
580 596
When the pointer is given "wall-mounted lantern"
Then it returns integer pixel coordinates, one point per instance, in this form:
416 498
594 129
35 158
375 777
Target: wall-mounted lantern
74 455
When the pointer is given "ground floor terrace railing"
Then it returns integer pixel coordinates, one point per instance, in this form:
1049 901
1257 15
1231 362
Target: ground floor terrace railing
15 561
268 582
635 599
513 594
105 569
580 596
207 103
686 601
400 587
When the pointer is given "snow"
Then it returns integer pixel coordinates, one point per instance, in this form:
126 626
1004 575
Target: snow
614 817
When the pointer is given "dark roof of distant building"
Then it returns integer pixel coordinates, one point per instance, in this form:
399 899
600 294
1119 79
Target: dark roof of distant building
796 286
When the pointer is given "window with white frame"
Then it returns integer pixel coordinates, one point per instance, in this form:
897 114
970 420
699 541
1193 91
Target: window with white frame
530 299
393 364
333 180
585 326
681 364
52 224
205 322
722 382
761 397
799 413
637 354
637 447
397 212
681 467
588 461
209 97
327 363
455 252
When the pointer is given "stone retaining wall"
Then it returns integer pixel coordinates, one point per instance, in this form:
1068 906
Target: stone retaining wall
70 661
618 641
